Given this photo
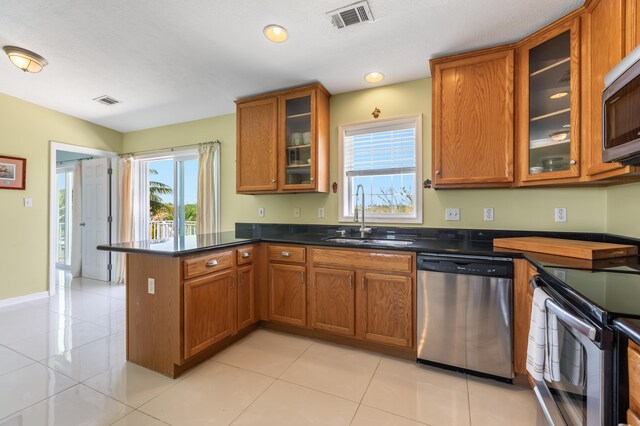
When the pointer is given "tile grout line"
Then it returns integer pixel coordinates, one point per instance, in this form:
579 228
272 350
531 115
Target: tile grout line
466 379
270 385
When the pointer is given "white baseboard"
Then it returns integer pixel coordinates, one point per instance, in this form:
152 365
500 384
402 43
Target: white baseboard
21 299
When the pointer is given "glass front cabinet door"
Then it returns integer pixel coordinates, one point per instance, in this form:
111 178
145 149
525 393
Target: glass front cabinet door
548 99
298 140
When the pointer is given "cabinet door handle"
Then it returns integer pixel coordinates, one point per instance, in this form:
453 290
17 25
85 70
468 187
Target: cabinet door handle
302 277
246 254
233 281
363 283
572 162
437 172
311 179
285 254
273 181
350 282
212 262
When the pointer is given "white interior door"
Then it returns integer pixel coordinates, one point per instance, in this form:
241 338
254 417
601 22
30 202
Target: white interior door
95 213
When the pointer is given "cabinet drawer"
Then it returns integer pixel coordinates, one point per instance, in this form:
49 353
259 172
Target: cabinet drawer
368 260
206 264
245 255
295 254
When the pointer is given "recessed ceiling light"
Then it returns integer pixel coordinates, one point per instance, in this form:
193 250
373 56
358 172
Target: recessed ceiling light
24 59
558 95
276 33
374 77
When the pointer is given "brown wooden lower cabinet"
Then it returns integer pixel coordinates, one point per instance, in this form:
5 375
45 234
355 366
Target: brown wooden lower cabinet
208 309
387 309
332 300
633 414
522 301
287 294
246 296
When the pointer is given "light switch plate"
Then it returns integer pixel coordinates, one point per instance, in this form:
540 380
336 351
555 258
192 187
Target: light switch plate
320 212
452 213
151 285
296 212
28 202
261 212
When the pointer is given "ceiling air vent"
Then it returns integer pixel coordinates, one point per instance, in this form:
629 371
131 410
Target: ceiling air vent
106 100
352 14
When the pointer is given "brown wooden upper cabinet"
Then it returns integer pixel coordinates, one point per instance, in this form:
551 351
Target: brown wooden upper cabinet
473 120
283 142
606 43
558 136
548 119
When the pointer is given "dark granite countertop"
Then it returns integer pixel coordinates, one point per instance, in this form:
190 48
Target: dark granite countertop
630 327
608 288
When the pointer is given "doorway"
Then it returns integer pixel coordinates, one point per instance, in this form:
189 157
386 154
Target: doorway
75 234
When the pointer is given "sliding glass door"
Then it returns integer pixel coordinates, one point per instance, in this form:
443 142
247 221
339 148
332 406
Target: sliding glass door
169 188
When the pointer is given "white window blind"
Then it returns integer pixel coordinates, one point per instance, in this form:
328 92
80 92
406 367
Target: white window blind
383 150
382 156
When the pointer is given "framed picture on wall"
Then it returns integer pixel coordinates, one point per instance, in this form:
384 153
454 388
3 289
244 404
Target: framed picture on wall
13 172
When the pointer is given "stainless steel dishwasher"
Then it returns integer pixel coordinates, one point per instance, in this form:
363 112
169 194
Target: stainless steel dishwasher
465 313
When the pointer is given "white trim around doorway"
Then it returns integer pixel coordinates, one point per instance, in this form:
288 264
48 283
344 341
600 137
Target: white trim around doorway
53 208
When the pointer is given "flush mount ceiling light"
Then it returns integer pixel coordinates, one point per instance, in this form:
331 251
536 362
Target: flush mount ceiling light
559 136
559 95
24 59
374 77
276 33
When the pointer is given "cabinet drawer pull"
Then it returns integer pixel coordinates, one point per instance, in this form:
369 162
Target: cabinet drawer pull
350 282
212 262
285 254
363 283
246 254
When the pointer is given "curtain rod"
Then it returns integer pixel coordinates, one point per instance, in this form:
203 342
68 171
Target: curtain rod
170 149
76 160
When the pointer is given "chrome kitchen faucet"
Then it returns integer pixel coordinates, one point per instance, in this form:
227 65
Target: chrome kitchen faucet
364 231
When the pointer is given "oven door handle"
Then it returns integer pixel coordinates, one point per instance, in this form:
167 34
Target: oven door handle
575 322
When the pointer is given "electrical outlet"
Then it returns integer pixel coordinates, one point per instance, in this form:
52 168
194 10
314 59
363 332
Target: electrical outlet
151 285
488 214
296 212
320 212
561 214
452 213
261 212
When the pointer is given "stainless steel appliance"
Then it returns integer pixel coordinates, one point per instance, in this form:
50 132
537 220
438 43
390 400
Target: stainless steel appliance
581 395
621 111
465 313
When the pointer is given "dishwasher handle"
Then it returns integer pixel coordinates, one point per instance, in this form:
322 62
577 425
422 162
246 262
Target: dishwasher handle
487 268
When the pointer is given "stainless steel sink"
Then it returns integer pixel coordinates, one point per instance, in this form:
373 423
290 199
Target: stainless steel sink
370 241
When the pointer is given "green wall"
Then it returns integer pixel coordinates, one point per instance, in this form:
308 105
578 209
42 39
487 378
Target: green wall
514 209
623 210
26 130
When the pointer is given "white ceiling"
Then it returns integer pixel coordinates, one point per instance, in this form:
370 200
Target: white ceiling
174 61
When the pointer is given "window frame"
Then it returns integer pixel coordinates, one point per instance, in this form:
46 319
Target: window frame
141 192
343 181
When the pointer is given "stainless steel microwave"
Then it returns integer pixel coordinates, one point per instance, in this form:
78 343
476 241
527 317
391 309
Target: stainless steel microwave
621 112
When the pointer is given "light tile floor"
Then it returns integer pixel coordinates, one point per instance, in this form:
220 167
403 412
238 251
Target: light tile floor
62 362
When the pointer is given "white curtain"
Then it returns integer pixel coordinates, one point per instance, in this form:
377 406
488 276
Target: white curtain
76 219
208 216
125 212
